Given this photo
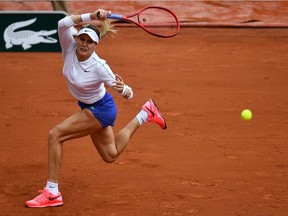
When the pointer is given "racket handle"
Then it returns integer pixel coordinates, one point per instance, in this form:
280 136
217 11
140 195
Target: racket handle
111 16
114 16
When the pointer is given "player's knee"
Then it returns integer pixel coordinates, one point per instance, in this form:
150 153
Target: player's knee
53 135
110 158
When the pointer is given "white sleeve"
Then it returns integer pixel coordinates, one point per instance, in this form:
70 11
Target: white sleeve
107 75
64 33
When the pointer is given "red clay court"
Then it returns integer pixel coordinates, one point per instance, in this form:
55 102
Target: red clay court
208 162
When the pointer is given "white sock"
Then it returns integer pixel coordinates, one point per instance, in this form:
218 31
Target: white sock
142 116
52 187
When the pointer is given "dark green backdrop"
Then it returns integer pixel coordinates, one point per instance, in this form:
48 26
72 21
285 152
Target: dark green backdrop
45 21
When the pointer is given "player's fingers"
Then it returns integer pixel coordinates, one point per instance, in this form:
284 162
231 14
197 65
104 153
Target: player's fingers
119 85
118 89
102 14
119 78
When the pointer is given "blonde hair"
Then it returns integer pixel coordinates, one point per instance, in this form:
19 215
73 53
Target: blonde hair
106 29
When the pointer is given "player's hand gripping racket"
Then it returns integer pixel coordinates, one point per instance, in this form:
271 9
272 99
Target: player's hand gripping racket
157 21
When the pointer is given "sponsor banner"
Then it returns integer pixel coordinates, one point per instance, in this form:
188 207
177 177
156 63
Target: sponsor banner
27 31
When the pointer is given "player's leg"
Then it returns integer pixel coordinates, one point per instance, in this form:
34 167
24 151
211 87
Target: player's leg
110 146
80 124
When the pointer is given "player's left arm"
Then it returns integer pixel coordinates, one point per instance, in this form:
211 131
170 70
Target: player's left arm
114 81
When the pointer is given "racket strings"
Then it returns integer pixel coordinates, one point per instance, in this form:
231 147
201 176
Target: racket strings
159 21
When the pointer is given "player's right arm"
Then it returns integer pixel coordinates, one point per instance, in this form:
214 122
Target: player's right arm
64 25
64 33
90 16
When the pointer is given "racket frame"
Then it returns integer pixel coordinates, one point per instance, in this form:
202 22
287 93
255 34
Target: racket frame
127 19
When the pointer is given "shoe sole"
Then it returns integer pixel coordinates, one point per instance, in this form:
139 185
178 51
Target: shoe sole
50 205
165 125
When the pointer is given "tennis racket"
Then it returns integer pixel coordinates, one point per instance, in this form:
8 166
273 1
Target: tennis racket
157 21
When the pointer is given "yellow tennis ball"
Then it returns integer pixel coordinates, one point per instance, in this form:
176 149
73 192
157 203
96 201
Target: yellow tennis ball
246 115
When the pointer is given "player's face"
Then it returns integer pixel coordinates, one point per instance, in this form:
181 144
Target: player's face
85 47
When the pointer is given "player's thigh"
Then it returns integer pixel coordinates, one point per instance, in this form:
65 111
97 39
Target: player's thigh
78 125
104 142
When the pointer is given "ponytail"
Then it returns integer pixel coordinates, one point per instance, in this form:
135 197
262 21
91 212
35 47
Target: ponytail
107 28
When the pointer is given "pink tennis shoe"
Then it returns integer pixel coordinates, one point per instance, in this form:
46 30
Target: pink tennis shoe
154 114
45 199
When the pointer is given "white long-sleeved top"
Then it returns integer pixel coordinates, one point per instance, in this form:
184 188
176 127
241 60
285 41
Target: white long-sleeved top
85 79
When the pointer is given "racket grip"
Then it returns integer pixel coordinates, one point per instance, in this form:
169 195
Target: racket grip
114 16
111 16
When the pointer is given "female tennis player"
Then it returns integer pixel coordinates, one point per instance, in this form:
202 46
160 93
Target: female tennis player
87 75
